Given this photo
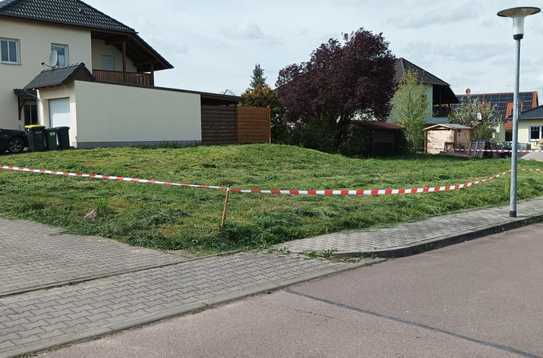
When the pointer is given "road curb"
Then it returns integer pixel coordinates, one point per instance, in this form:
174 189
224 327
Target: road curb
440 242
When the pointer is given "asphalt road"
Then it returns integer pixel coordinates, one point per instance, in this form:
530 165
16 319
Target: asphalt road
479 299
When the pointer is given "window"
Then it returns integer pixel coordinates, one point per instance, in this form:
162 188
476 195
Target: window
508 136
535 133
9 51
108 62
62 55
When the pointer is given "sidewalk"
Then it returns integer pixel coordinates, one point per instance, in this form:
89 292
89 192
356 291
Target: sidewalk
60 289
35 256
411 238
41 319
477 299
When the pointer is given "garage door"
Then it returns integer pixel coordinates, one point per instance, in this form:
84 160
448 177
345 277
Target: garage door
59 112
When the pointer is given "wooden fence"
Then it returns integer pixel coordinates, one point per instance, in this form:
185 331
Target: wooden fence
254 125
219 125
235 125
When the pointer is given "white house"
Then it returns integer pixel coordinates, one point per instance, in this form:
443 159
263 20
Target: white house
531 127
65 63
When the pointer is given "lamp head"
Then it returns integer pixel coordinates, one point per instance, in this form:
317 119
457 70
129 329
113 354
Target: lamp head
519 14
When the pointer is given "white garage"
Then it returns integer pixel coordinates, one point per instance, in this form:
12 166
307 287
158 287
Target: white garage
106 115
59 112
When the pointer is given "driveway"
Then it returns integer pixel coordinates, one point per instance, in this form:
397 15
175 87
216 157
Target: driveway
478 299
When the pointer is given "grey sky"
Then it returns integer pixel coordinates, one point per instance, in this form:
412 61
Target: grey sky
214 44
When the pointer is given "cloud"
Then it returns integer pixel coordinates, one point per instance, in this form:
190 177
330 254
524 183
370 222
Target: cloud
214 44
438 16
250 32
468 52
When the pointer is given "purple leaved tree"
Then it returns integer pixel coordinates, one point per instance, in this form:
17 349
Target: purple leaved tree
342 80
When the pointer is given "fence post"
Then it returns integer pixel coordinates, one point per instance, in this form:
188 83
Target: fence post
225 207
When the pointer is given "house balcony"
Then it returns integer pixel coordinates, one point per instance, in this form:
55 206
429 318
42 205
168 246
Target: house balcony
128 78
441 111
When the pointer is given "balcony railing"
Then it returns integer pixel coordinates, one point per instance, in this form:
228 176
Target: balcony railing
441 111
132 78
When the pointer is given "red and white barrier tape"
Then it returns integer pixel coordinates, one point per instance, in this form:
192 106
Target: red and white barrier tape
291 192
532 170
496 151
108 178
371 192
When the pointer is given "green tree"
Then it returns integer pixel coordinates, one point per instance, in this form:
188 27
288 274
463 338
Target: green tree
258 78
260 94
410 108
481 116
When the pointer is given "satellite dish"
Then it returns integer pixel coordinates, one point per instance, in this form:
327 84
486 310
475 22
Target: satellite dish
53 59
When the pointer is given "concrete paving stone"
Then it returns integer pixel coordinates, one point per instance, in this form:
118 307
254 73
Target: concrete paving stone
145 296
412 234
34 256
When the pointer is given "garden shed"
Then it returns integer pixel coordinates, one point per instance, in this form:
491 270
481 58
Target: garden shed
377 138
446 137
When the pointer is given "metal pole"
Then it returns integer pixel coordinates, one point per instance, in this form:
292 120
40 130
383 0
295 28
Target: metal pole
514 161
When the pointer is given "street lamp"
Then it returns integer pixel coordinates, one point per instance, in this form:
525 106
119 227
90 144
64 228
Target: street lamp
518 14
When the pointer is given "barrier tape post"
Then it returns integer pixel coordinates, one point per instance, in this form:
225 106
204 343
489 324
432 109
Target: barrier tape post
225 208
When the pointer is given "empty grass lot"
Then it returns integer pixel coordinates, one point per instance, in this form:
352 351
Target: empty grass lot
187 219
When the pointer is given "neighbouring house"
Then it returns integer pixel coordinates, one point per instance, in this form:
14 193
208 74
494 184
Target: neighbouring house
503 104
531 127
446 137
65 63
440 96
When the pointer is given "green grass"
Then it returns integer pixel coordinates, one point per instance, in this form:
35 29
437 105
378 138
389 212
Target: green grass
187 219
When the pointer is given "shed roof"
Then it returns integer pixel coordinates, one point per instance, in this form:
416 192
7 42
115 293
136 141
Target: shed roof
448 126
436 120
380 125
59 76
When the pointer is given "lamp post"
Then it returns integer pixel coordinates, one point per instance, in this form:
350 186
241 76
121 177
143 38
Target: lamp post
518 14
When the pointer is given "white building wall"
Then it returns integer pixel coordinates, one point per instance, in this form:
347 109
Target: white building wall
524 131
436 140
47 94
35 46
115 115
